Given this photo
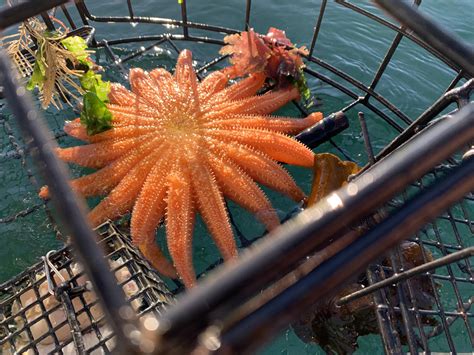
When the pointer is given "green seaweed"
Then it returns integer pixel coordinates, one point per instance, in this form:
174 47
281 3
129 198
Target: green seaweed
95 115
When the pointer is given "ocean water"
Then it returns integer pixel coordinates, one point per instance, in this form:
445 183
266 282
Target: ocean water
349 41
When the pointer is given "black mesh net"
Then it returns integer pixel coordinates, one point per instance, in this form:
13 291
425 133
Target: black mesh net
33 319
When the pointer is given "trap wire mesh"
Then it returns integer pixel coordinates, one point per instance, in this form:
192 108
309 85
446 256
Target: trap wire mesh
34 321
429 312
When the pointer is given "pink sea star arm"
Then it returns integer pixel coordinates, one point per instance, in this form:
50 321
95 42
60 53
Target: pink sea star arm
104 180
180 215
77 130
147 89
119 95
148 210
153 253
186 81
120 132
211 84
277 146
260 168
211 206
256 105
240 90
123 196
163 79
289 125
150 206
97 155
240 188
128 116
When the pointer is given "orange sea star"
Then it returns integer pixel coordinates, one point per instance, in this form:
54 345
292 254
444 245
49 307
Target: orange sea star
177 147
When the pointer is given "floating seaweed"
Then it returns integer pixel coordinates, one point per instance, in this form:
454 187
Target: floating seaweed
273 54
41 55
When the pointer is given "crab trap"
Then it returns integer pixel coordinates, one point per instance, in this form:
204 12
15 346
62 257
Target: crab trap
385 249
51 306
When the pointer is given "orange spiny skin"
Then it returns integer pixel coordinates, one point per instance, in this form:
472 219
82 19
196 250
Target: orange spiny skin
179 147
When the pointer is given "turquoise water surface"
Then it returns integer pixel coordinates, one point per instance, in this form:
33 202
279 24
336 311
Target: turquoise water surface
348 41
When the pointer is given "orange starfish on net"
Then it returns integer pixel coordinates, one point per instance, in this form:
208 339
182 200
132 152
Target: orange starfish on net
178 147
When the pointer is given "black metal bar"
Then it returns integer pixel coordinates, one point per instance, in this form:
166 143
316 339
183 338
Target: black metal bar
184 18
388 56
155 20
130 9
431 112
317 27
429 266
324 280
112 55
441 39
354 96
391 342
235 282
20 12
362 87
49 24
248 7
148 38
68 17
70 210
143 50
365 135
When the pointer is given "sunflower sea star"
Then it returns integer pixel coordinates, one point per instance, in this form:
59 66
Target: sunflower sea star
177 147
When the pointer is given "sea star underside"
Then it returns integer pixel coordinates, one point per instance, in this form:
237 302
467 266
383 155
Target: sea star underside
178 147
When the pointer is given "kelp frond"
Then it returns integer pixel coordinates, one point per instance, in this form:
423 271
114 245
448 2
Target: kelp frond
39 54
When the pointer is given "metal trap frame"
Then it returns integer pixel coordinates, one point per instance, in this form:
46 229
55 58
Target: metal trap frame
42 306
401 322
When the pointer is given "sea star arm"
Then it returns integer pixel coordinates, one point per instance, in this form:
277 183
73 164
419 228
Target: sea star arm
288 125
77 130
148 210
180 216
186 81
277 146
240 188
97 155
256 105
129 116
244 88
123 196
104 180
153 253
147 90
150 206
211 84
211 206
260 168
119 95
121 132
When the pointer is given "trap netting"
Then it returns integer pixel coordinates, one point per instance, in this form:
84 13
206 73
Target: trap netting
41 305
431 312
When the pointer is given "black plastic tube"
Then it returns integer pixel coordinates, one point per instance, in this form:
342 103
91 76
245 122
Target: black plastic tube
323 130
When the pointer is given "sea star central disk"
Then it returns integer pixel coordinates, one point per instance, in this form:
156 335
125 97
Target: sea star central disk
178 147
